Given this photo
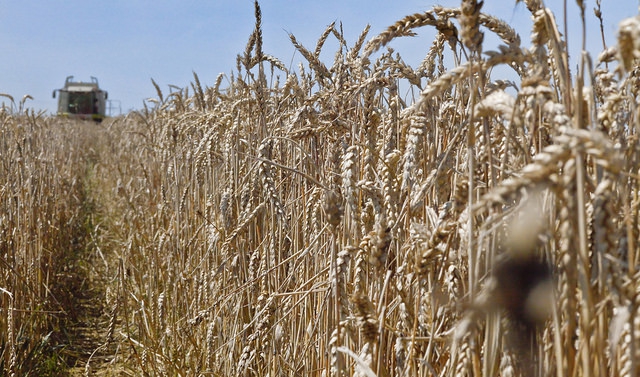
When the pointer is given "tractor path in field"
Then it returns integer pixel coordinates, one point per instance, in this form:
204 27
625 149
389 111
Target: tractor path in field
88 330
90 352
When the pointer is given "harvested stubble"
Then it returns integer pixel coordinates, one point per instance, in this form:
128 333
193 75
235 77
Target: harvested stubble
329 226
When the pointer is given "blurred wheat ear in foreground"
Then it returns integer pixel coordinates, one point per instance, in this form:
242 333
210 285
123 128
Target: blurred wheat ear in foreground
319 221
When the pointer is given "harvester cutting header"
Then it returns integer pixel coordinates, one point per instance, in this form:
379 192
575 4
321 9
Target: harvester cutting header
83 100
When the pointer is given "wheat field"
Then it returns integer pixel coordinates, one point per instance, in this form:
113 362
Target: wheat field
319 221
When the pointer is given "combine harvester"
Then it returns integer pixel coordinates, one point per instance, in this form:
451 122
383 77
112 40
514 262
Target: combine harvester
81 100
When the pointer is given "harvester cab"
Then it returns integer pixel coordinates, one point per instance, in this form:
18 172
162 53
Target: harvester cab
83 100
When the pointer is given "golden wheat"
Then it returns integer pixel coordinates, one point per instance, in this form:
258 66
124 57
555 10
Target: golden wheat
324 224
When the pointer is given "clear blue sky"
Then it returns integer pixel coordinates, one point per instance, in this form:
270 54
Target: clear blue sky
125 43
